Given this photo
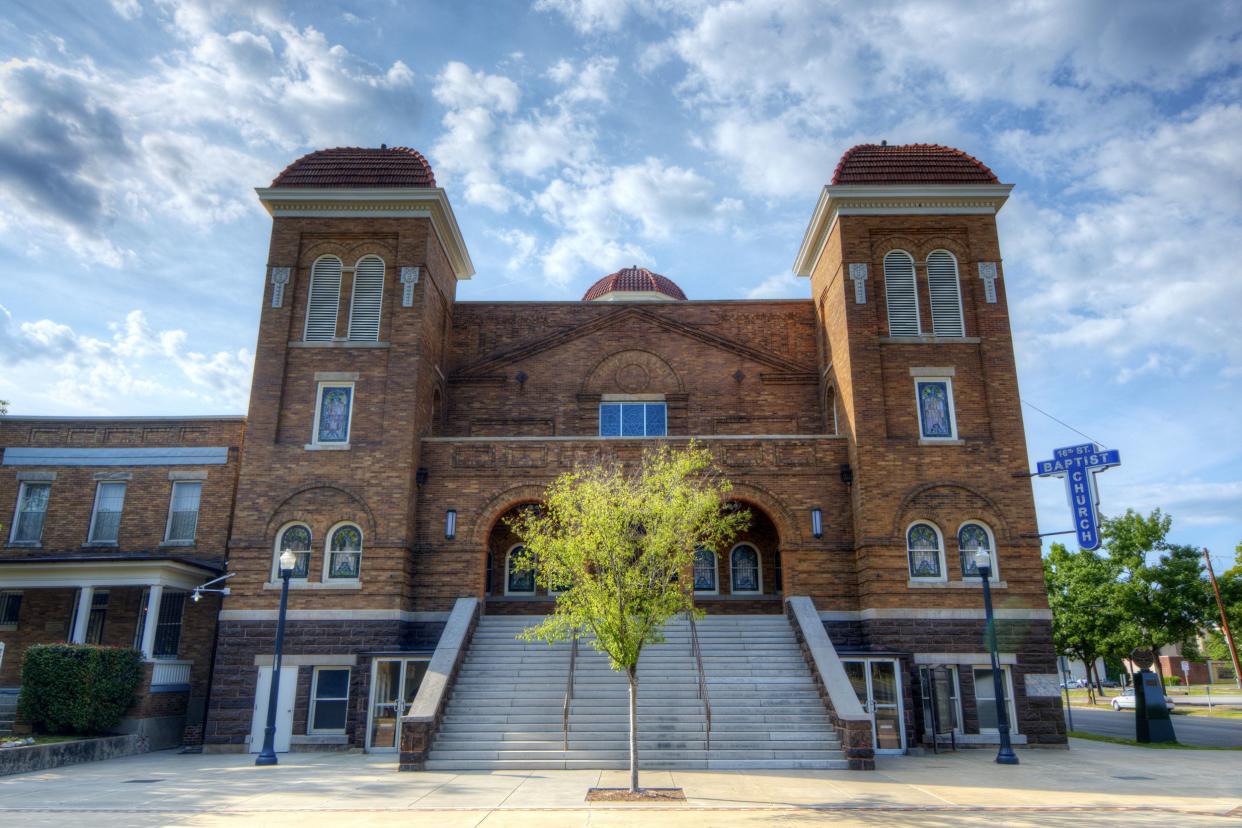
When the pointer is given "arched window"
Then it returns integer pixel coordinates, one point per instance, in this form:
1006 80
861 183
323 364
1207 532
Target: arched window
366 300
924 549
830 409
901 294
519 580
296 538
946 294
971 538
344 552
324 301
744 573
705 571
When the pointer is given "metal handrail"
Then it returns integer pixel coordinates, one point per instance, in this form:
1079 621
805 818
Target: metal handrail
703 694
569 689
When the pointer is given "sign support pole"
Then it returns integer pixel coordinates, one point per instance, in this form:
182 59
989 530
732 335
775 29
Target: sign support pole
1224 622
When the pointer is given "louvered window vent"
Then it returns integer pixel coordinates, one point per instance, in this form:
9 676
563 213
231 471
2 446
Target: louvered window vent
900 294
325 300
946 294
367 300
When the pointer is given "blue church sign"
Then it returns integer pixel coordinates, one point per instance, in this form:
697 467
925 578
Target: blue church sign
1079 466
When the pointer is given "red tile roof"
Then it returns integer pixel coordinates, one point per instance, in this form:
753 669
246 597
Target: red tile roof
910 164
633 278
359 167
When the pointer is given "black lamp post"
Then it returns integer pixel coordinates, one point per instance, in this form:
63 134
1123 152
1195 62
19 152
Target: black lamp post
268 755
1004 756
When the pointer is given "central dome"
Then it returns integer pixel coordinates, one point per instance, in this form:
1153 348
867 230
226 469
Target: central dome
633 284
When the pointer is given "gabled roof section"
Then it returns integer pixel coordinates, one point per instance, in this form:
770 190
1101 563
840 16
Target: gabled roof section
626 315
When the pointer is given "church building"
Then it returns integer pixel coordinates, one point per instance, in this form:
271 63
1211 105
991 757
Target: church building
873 430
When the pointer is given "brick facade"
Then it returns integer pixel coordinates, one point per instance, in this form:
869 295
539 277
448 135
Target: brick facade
475 407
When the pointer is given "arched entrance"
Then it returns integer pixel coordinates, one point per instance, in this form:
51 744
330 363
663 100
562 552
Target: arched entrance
508 590
745 577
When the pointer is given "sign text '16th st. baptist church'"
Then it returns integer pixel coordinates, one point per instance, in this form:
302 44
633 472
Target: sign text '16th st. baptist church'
1079 466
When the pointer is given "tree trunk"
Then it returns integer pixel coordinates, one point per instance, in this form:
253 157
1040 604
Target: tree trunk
631 673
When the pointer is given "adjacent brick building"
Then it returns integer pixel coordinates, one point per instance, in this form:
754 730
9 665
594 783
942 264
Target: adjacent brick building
874 431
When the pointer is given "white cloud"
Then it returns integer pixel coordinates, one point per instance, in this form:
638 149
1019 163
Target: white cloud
522 245
783 285
138 369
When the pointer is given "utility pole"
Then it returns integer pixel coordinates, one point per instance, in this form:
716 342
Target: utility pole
1224 622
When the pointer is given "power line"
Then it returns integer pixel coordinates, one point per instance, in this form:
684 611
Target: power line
1062 422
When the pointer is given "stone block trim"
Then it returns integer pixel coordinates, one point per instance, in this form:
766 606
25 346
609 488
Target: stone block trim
418 728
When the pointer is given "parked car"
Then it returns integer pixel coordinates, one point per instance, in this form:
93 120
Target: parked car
1125 701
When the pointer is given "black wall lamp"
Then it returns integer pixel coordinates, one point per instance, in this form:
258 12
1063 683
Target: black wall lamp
450 524
847 474
420 476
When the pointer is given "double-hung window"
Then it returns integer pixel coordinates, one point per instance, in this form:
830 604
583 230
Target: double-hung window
183 512
329 700
633 419
106 520
167 623
985 699
333 413
31 510
10 609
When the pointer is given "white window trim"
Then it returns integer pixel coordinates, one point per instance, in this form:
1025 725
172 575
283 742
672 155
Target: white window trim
90 528
1007 677
733 590
715 576
508 558
314 693
944 570
957 277
353 293
276 550
172 498
326 575
918 408
632 399
310 295
349 420
994 578
17 512
918 311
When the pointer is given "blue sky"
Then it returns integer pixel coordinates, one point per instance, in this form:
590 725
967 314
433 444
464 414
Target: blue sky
577 136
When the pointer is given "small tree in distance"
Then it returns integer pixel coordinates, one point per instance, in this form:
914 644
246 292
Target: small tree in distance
618 545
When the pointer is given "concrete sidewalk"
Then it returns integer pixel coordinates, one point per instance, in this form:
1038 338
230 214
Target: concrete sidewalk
1101 782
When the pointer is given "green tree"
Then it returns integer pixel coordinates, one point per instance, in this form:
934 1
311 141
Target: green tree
1082 593
1230 584
1165 601
619 546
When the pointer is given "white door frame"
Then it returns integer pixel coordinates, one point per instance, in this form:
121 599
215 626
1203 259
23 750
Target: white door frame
284 708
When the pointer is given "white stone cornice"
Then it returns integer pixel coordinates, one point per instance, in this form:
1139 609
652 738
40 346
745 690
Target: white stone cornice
382 202
906 199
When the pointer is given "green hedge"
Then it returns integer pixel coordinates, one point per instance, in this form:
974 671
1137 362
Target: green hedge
76 688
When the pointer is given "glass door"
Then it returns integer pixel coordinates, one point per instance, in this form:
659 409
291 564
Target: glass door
877 684
394 684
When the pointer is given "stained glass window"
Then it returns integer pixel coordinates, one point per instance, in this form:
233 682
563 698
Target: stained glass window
635 419
296 539
745 561
521 578
334 411
923 546
704 570
345 552
970 539
935 415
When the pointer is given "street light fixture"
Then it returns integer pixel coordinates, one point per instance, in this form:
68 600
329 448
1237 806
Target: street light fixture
268 755
1004 756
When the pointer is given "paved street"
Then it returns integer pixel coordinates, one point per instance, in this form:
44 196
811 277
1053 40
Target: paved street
1099 783
1190 730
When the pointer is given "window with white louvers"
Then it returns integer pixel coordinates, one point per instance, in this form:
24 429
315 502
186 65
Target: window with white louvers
325 299
946 294
900 294
366 300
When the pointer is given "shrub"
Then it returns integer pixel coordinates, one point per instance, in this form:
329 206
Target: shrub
76 688
1172 681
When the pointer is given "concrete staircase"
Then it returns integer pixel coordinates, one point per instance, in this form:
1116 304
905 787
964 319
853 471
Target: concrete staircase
506 708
